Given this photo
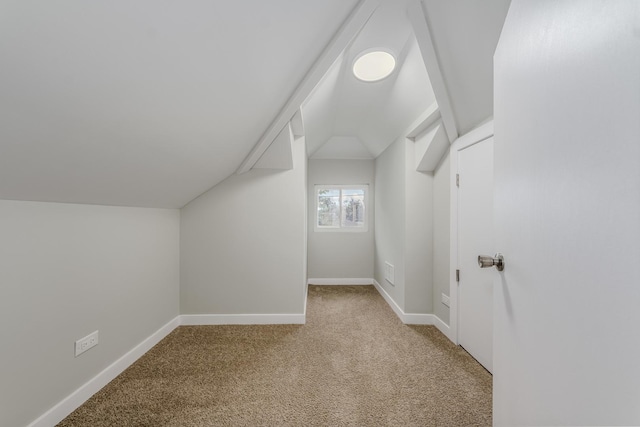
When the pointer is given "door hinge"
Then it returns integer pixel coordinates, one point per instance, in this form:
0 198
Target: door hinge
457 180
457 275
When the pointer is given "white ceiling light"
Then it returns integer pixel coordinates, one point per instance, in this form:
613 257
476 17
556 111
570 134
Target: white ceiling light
371 66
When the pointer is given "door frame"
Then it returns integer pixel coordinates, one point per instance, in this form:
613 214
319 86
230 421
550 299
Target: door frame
474 136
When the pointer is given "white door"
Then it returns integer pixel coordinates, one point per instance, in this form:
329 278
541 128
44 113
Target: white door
475 237
567 210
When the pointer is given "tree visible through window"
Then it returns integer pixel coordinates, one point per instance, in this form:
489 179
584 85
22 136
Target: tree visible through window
341 208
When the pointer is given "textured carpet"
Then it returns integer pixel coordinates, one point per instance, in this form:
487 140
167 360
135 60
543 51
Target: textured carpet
353 364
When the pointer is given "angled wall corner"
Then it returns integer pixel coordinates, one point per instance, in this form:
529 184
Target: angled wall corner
423 122
430 147
278 155
297 124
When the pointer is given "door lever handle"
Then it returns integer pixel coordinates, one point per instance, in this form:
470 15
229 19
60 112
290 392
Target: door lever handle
497 260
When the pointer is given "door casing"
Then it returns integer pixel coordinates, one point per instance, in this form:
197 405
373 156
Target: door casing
479 134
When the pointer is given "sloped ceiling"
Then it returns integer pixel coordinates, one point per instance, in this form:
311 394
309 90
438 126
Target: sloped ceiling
465 35
150 103
347 118
145 103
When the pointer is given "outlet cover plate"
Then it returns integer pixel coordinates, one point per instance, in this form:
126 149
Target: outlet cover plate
389 273
84 344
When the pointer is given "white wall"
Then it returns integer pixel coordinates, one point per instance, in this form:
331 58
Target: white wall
418 218
67 270
243 244
403 234
567 203
341 255
441 239
389 218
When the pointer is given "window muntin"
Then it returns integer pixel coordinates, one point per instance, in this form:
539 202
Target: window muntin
341 207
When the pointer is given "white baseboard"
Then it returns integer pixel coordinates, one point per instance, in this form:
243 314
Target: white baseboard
414 318
78 397
69 404
418 319
347 281
395 307
241 319
444 328
306 297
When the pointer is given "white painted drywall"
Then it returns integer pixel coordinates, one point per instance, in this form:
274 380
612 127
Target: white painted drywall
347 118
150 104
441 243
418 218
403 227
389 218
567 181
341 255
243 244
65 271
465 34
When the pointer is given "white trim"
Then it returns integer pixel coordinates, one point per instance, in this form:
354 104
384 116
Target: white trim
350 281
418 319
430 147
297 124
279 155
241 319
70 403
423 122
443 327
413 318
474 136
395 307
418 19
88 389
343 37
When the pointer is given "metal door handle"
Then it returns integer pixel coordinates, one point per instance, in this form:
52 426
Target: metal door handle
497 260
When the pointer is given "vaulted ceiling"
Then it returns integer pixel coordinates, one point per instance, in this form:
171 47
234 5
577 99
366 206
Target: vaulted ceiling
146 102
152 102
348 118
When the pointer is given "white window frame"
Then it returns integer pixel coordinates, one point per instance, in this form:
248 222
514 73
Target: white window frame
340 228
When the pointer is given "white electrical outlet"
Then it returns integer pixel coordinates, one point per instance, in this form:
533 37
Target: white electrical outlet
445 300
389 273
84 344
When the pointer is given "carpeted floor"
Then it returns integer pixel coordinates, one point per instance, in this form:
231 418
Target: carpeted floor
353 364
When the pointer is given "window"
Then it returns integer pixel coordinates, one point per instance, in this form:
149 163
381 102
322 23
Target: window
341 207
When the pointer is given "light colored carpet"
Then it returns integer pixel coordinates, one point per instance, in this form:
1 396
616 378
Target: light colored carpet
353 364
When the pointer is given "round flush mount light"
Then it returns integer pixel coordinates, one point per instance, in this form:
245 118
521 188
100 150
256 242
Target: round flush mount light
373 65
